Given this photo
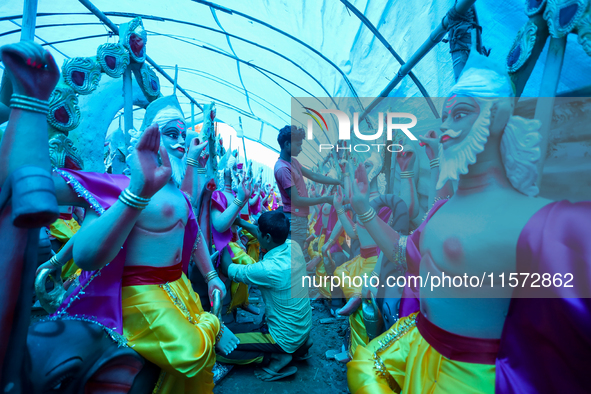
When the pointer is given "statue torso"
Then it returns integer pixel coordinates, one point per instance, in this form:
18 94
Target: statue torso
472 236
157 237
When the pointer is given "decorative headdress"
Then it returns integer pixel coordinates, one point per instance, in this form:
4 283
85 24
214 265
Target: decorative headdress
162 111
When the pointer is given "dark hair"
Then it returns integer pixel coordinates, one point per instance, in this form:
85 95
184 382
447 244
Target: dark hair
289 133
276 224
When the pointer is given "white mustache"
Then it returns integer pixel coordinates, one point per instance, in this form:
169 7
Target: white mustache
453 133
176 146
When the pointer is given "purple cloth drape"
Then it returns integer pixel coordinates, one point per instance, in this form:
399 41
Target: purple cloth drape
99 293
546 342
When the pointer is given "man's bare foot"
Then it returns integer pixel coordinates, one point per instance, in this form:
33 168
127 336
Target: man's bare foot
272 372
252 309
350 307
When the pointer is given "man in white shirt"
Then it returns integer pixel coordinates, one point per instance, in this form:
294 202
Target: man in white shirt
285 335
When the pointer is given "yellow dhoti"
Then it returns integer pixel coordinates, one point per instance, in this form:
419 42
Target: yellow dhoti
315 250
352 269
252 246
347 273
239 291
401 360
167 326
62 230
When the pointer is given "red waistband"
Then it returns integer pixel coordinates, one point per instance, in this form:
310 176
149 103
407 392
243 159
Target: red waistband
65 216
235 237
457 347
366 253
137 275
244 216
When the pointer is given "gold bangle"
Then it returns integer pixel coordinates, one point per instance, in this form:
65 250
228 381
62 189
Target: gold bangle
55 262
211 275
132 200
407 174
434 163
340 211
220 333
195 163
28 108
29 103
238 202
31 99
367 216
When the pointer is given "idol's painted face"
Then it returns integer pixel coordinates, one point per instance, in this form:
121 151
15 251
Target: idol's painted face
174 134
458 117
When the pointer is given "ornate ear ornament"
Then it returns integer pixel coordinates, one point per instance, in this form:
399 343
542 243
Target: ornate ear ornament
522 47
63 153
584 32
83 74
113 59
533 7
134 38
149 82
563 15
64 112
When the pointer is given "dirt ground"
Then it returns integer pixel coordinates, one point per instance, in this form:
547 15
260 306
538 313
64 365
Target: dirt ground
315 375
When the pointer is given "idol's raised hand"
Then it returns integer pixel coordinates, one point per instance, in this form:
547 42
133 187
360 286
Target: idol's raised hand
431 143
32 70
147 176
360 190
406 158
244 190
197 151
337 202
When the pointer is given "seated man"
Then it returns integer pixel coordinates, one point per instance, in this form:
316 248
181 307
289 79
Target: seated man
288 311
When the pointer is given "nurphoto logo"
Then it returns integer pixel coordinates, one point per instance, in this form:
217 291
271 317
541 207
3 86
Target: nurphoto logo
392 123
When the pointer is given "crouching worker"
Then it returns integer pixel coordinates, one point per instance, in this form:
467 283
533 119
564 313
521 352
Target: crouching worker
285 335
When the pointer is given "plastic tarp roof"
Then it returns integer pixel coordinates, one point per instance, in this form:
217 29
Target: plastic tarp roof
251 57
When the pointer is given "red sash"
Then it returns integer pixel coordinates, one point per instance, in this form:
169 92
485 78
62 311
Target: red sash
138 275
457 347
366 253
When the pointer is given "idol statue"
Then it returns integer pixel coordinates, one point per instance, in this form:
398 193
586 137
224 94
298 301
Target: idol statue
484 339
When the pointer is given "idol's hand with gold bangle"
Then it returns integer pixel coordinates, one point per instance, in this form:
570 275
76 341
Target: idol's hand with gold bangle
360 191
147 177
197 155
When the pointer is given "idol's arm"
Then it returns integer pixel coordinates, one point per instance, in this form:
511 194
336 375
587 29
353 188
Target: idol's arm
222 221
334 236
203 262
408 194
384 236
345 221
253 200
408 191
5 93
195 175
